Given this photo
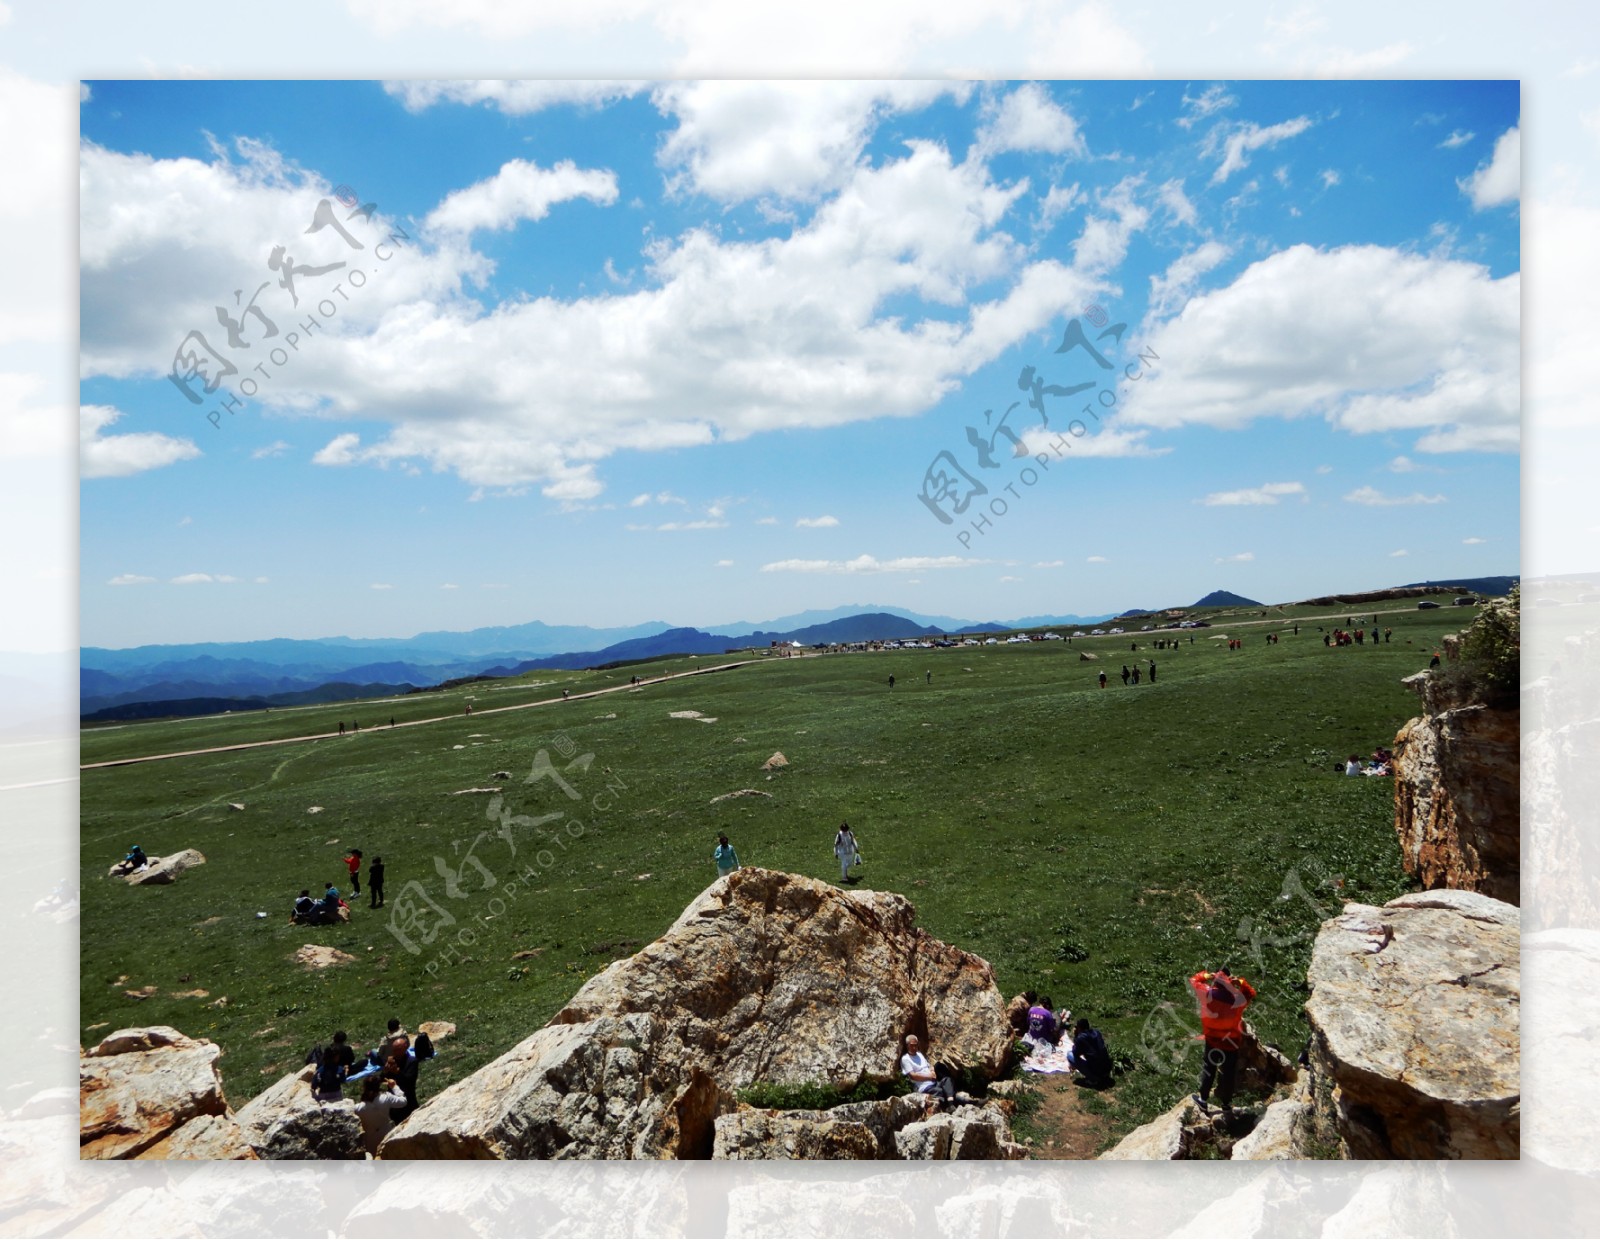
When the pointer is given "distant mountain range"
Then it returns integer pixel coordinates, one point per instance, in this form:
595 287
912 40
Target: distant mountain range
211 677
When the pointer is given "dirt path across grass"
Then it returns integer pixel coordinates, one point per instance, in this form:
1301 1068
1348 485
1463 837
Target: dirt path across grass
413 723
1062 1127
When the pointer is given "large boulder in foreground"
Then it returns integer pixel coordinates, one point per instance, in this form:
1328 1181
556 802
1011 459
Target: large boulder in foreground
768 977
163 870
1416 1047
154 1093
289 1122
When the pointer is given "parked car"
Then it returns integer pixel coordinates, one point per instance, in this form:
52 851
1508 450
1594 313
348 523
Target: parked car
1427 604
1466 600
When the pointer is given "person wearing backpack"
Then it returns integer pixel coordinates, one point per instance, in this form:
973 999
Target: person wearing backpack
333 1065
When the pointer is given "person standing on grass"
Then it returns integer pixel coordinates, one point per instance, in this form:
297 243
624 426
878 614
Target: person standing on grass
844 848
1223 1000
727 860
1102 680
1152 671
353 864
375 882
1125 673
891 682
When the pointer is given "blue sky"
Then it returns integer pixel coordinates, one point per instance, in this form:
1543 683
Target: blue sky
687 351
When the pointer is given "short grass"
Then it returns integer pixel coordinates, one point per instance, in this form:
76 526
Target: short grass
1099 846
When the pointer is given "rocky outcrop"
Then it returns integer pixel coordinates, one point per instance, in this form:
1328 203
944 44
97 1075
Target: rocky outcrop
1457 805
154 1093
1282 1132
1167 1138
766 977
1415 1019
907 1127
161 870
289 1122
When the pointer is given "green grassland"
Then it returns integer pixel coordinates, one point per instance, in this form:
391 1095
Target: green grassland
1098 845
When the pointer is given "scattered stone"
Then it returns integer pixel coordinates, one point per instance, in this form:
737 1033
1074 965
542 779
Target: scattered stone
315 956
437 1030
191 994
742 792
313 809
532 953
691 714
501 775
235 804
144 992
774 762
461 792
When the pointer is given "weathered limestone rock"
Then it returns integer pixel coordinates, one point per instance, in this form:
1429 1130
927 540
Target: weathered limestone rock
1457 795
317 956
765 977
1416 1047
1277 1135
166 869
792 1135
290 1122
905 1127
153 1093
1167 1138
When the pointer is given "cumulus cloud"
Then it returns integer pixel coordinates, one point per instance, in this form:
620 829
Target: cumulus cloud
1111 442
1458 137
1374 498
1058 200
817 523
723 564
871 564
1106 232
1243 557
1403 341
1171 290
1028 119
1473 542
130 579
118 456
520 191
1330 177
276 448
1498 181
1397 554
736 140
1269 493
766 520
340 450
1050 564
198 579
1097 559
449 585
1177 202
1237 143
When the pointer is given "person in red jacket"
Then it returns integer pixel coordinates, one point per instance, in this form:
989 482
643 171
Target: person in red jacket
353 864
1223 1000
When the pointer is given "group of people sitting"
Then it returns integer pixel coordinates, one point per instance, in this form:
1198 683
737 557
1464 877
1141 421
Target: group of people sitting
388 1077
1381 763
308 911
1044 1031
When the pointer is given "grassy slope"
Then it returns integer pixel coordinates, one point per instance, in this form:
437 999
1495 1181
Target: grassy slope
1030 816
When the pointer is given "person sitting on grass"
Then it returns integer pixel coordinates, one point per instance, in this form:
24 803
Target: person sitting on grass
1042 1027
304 907
933 1079
135 860
331 903
1091 1062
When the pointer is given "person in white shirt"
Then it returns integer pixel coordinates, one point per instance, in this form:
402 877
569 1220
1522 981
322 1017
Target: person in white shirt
928 1077
845 848
376 1110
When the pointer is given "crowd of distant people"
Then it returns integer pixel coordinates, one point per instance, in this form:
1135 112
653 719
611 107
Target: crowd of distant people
388 1077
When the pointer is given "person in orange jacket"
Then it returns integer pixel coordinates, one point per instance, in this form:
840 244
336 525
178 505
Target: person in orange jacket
1223 1000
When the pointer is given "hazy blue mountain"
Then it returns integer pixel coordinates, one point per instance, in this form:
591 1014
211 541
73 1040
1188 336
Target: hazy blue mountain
1223 598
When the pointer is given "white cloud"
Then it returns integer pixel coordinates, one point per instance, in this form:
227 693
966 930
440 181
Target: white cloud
1170 292
1324 469
1006 579
1050 564
185 521
1103 243
196 579
766 520
1097 559
381 585
261 581
449 585
736 140
118 456
1177 202
1397 554
1196 108
702 524
1112 442
1402 465
1500 180
1473 542
1269 493
1374 498
817 523
130 579
1458 137
1056 203
1086 41
1403 342
871 564
724 564
514 98
1028 119
1330 177
1243 557
1280 174
276 448
520 191
340 450
1237 143
1339 62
